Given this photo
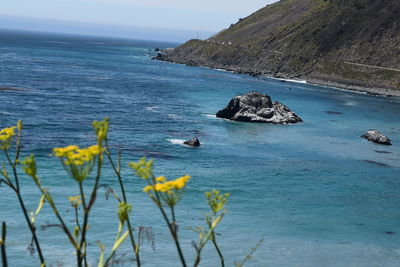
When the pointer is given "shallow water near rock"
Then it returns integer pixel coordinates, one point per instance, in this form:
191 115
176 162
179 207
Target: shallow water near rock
310 190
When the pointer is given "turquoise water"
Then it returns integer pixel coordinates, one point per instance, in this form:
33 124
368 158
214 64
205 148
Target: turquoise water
316 192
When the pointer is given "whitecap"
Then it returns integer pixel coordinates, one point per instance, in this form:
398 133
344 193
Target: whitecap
213 116
152 108
351 103
174 116
176 141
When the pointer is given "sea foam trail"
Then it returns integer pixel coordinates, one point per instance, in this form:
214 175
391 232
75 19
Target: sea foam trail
176 141
213 116
290 80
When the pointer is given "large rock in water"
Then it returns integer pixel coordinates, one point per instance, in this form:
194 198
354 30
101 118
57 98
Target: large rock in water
257 107
192 142
376 137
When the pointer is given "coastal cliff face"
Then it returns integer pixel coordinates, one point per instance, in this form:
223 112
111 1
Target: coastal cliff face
351 42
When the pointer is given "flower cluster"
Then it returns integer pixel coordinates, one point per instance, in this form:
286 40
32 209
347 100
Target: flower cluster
168 191
6 137
101 128
29 166
78 161
162 185
216 200
74 155
75 201
143 168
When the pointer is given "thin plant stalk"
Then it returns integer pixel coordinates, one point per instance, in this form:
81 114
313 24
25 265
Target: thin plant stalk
220 255
53 206
208 236
214 241
3 245
172 226
87 209
117 170
16 188
250 254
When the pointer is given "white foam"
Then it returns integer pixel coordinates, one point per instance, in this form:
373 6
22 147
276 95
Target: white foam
176 141
290 80
351 103
210 116
152 108
174 116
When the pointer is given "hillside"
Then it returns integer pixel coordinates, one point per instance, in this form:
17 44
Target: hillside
348 42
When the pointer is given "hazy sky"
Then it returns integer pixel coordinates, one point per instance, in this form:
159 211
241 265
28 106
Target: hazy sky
200 15
209 15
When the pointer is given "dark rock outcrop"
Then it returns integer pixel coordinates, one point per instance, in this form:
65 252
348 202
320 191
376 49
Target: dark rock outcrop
376 137
192 142
257 107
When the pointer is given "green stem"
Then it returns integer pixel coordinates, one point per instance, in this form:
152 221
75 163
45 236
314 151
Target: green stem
82 232
89 206
208 236
172 228
248 256
55 211
17 191
77 219
82 195
117 171
120 228
221 257
214 241
3 245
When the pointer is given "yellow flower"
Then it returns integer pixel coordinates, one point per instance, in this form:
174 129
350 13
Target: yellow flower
148 188
76 201
79 161
6 135
163 185
181 182
74 155
161 179
63 151
29 166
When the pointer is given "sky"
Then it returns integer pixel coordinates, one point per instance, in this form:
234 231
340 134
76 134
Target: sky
187 18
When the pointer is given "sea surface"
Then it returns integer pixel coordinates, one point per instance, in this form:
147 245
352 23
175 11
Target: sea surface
317 193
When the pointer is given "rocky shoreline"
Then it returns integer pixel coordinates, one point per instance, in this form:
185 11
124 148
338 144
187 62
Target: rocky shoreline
328 81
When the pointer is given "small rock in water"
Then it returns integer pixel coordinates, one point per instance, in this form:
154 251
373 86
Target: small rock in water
257 107
192 142
376 137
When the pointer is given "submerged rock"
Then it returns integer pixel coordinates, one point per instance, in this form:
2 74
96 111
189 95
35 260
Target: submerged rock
257 107
376 137
192 142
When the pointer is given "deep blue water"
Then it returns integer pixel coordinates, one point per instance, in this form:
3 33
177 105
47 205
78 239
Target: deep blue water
316 192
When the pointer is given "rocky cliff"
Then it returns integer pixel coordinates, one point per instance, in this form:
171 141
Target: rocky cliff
349 42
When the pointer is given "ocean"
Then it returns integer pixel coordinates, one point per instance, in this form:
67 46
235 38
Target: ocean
317 193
